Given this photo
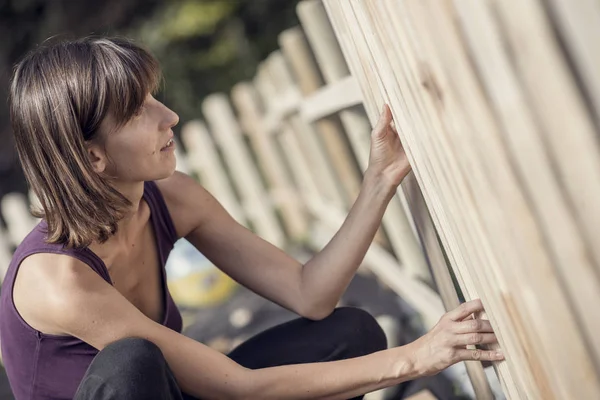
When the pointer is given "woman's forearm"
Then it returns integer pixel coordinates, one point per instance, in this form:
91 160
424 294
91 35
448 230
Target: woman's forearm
205 373
326 276
332 380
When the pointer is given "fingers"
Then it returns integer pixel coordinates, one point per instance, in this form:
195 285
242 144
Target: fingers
384 120
386 114
473 325
393 127
465 309
474 339
479 355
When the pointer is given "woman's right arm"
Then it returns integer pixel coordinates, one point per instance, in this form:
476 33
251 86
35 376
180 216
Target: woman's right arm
73 299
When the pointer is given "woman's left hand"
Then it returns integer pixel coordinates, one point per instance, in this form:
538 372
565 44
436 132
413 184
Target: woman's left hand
387 158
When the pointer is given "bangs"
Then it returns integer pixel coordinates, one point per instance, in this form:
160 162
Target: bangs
125 73
60 94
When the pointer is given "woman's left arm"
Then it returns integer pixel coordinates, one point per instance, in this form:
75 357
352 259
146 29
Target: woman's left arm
327 275
311 290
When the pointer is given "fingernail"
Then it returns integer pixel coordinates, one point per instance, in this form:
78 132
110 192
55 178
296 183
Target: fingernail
499 353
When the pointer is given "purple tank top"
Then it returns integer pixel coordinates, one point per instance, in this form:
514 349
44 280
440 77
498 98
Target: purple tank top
42 366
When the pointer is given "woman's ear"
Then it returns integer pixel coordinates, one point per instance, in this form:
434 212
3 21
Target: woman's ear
97 157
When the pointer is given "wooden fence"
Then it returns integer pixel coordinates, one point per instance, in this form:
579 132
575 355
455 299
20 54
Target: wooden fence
498 106
305 123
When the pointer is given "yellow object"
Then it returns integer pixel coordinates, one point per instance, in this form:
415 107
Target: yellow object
205 288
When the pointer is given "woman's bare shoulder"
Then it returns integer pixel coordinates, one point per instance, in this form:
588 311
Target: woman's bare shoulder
188 202
61 295
44 283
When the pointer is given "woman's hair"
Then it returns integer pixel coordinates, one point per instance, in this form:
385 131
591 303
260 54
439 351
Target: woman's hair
59 94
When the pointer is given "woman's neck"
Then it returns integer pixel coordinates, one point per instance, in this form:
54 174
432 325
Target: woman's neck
128 226
132 192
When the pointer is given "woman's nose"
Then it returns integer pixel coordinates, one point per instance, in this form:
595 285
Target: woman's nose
171 118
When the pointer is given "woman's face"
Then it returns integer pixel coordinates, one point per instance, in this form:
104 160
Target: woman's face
142 149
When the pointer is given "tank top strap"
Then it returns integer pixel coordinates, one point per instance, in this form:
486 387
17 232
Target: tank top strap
158 208
35 243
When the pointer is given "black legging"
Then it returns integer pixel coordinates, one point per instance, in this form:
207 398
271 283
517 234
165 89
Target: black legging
135 369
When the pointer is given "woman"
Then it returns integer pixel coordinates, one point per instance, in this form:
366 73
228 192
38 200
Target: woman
85 312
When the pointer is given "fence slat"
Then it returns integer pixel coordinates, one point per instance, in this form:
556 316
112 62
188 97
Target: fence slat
321 37
306 75
331 99
578 24
567 134
5 253
443 279
228 135
16 214
454 97
329 129
204 160
246 101
355 44
527 145
274 69
381 262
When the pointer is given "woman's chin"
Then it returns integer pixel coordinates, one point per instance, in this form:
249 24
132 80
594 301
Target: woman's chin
170 167
163 173
166 175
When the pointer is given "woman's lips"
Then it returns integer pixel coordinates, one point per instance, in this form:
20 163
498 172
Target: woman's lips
170 145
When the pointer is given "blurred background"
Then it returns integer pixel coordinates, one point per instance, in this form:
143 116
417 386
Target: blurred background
204 47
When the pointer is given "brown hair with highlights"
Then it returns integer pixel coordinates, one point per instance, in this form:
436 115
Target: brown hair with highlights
60 93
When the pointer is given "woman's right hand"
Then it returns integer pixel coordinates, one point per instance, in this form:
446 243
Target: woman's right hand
446 343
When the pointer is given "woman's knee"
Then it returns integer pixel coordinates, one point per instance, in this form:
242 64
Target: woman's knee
134 347
359 328
131 368
132 354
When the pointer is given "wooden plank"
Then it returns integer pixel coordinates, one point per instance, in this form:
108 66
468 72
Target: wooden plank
5 253
293 157
567 133
246 101
180 158
438 83
486 218
16 214
310 144
527 144
305 73
332 64
423 75
577 22
205 162
380 261
361 70
356 45
331 99
287 103
442 278
228 136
